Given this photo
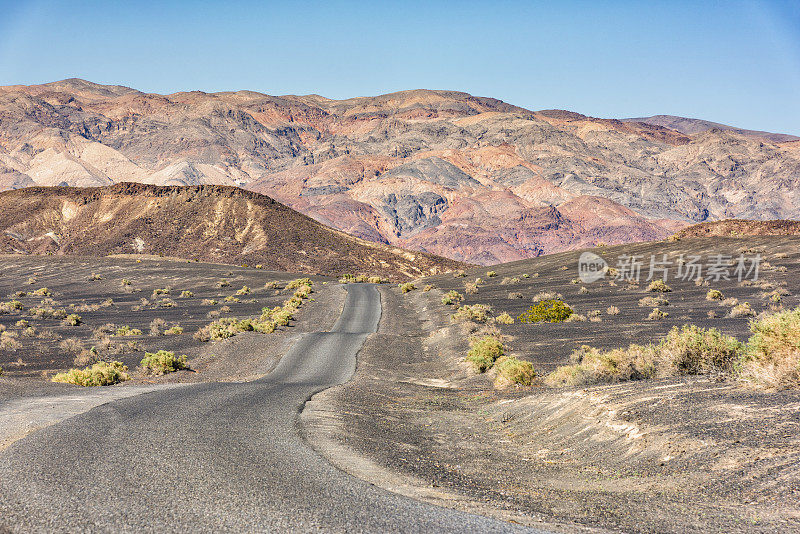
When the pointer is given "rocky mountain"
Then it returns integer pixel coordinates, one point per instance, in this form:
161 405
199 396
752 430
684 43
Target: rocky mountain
210 223
694 126
471 178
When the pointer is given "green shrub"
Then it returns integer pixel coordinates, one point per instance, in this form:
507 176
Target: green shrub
272 284
657 315
592 366
294 284
428 287
174 331
123 331
477 313
491 274
742 310
691 350
10 307
99 374
186 294
72 320
504 318
484 352
244 291
42 292
773 351
659 286
231 298
95 277
452 297
406 287
714 294
546 311
514 371
162 362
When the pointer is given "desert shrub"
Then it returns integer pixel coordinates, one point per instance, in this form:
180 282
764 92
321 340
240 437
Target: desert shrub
231 298
511 370
459 274
406 287
484 352
86 357
223 283
491 274
546 295
186 294
22 323
714 294
99 374
209 302
124 282
167 303
225 309
691 350
659 286
515 295
477 313
223 329
10 307
29 332
48 312
546 311
742 310
526 275
575 318
652 302
162 362
42 292
71 345
471 288
509 280
428 287
272 284
700 282
657 315
504 318
72 319
295 284
612 310
583 290
174 331
95 277
157 327
592 366
730 302
161 291
452 297
773 351
126 330
8 341
244 291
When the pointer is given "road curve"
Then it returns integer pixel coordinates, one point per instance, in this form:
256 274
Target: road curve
213 457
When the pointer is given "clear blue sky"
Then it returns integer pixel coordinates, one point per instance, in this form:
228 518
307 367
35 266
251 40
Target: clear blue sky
730 62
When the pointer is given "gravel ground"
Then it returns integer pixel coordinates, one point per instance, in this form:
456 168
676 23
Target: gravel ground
669 455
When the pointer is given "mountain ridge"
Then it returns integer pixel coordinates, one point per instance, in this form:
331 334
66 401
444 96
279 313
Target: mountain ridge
472 178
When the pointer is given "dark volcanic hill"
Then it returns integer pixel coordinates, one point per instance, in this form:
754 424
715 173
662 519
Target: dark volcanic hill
739 228
472 178
209 223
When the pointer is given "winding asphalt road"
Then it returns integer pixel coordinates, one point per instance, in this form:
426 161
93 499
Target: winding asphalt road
213 457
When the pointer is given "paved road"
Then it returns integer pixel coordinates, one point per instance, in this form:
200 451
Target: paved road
213 457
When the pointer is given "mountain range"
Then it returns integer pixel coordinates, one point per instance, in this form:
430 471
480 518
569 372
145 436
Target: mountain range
471 178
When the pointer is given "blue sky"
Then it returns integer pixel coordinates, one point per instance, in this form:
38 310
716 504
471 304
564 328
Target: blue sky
731 62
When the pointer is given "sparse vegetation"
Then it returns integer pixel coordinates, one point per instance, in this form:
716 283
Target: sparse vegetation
504 318
99 374
173 331
612 310
72 319
12 306
491 274
477 313
186 294
95 277
272 284
657 315
772 357
428 287
452 297
742 310
459 274
546 311
714 294
406 287
652 302
511 370
484 352
42 292
659 286
162 362
124 331
244 291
